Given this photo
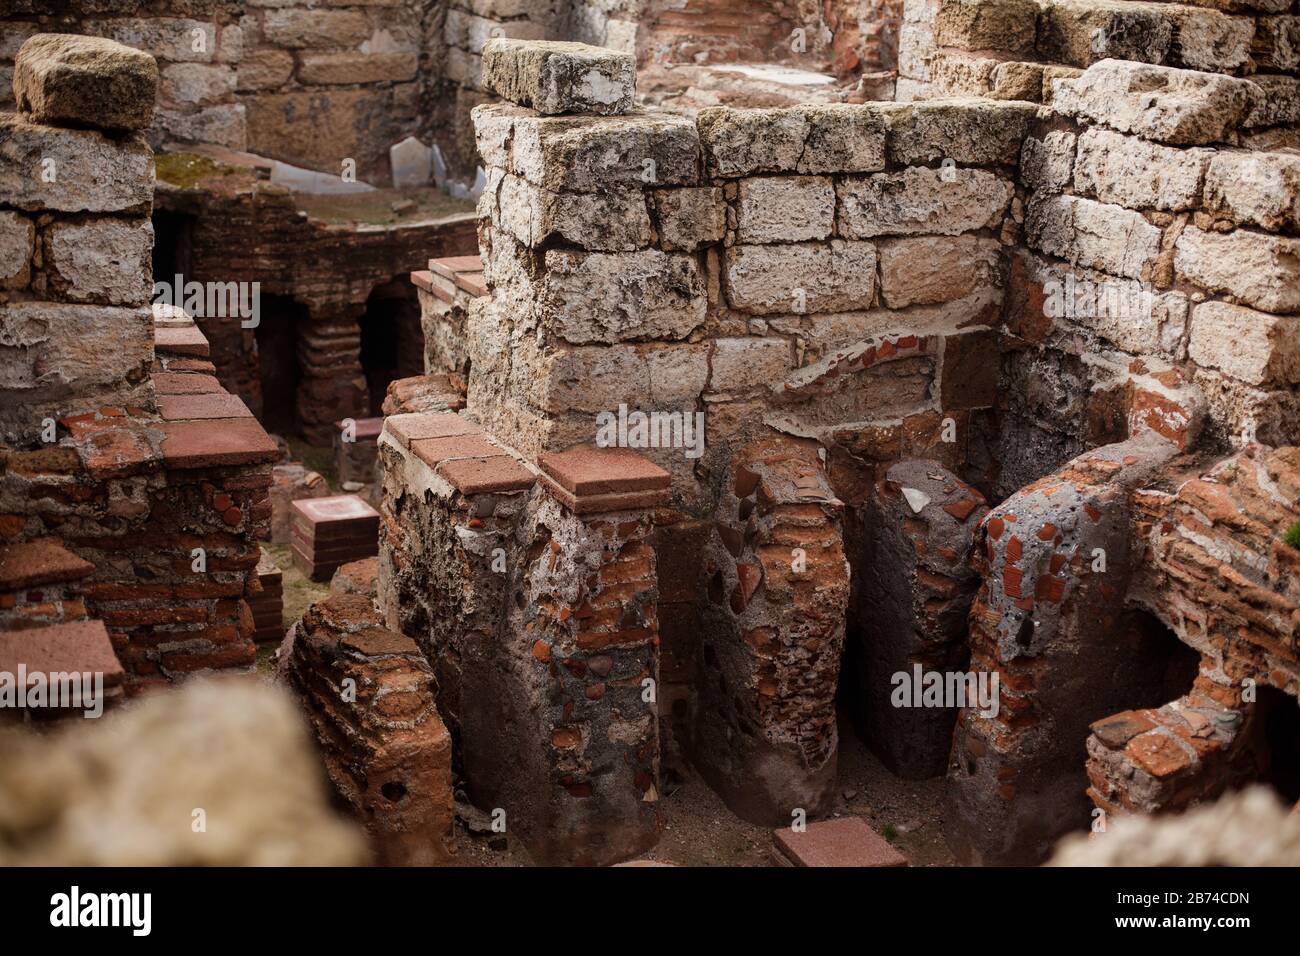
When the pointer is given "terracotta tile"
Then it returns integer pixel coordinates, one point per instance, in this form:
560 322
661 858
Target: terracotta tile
205 406
473 476
422 280
115 452
598 504
44 561
472 282
183 340
217 443
413 426
432 451
450 266
177 383
588 470
78 646
843 842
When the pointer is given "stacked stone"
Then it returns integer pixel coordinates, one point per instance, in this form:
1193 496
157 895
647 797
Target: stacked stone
757 265
197 54
267 603
40 583
535 603
157 480
445 291
1017 49
1160 267
369 698
326 533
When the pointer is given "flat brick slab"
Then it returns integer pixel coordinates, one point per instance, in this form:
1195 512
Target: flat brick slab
599 504
202 407
79 646
434 451
180 383
588 470
366 429
844 841
413 426
335 513
472 282
422 279
451 266
45 561
116 452
476 476
218 443
180 340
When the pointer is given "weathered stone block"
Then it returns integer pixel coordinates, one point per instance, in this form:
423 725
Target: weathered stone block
197 82
605 221
602 297
1140 175
967 131
749 362
553 76
1004 25
1256 189
844 138
785 209
927 269
345 68
589 154
740 142
1255 347
170 39
1277 43
299 29
921 200
16 238
61 79
1180 107
1277 103
69 170
53 348
1261 270
263 70
1095 235
690 217
1047 164
1081 32
807 277
102 260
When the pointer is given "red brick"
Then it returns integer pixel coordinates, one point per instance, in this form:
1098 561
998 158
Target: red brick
217 443
207 405
843 842
44 561
174 383
184 340
433 451
588 470
414 426
451 266
78 646
473 476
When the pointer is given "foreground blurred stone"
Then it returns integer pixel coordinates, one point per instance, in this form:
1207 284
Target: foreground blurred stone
1249 828
128 790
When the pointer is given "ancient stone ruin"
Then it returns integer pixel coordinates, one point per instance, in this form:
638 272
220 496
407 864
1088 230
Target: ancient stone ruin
873 425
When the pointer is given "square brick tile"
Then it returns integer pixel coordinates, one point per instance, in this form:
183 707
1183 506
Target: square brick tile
178 383
413 426
217 443
202 407
78 646
588 470
181 340
451 266
472 282
843 841
433 451
365 429
44 561
476 476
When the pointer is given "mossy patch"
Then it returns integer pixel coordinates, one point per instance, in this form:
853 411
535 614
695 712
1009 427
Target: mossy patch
187 170
1292 536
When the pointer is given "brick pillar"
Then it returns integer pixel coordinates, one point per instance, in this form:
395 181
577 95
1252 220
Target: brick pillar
333 384
915 596
763 730
1050 622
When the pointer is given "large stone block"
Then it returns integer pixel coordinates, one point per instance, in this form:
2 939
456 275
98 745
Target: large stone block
1081 32
1180 107
605 221
589 154
1140 175
747 142
604 297
102 260
972 132
17 235
197 82
1047 164
784 209
345 68
76 80
1004 25
800 278
1095 235
748 362
1256 189
299 29
844 138
690 217
1256 347
925 270
921 200
57 349
1261 270
70 170
554 76
1277 43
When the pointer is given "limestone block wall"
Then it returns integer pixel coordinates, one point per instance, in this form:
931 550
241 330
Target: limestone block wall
819 270
1155 285
1016 49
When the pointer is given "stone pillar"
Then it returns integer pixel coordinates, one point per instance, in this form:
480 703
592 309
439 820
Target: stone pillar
915 596
763 722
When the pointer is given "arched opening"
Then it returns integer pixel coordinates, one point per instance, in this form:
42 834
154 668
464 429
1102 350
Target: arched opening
1277 742
392 342
279 367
